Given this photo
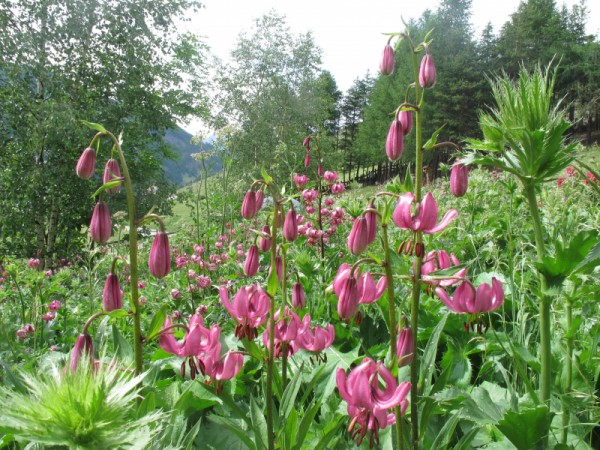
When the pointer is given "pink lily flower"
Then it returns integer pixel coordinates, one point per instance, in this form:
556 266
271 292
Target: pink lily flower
351 290
425 217
440 260
368 402
220 367
467 300
286 331
314 339
250 308
198 338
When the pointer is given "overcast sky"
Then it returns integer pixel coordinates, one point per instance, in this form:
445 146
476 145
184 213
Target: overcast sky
349 32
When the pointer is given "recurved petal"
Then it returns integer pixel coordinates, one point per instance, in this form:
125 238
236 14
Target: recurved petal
402 216
448 218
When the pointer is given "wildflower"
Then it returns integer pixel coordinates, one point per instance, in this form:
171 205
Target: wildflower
250 308
300 180
440 260
330 176
197 338
112 172
286 330
467 300
404 347
368 402
459 180
337 188
427 73
218 367
425 217
249 205
394 143
251 264
290 225
33 262
298 296
100 225
358 239
83 347
86 164
405 117
371 218
159 260
47 317
264 242
112 294
314 339
386 66
54 305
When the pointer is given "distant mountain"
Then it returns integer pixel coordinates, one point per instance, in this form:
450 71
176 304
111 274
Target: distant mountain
186 169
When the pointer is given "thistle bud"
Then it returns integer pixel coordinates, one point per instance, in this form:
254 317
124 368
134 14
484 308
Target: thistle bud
358 239
112 171
251 264
427 71
459 180
249 205
112 294
100 225
86 164
298 296
386 66
394 144
159 261
290 226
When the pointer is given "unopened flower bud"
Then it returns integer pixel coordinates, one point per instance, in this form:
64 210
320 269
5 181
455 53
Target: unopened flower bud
112 171
112 294
83 347
394 143
251 264
404 347
386 66
290 226
159 260
249 205
459 180
358 239
427 71
100 225
86 164
406 119
298 296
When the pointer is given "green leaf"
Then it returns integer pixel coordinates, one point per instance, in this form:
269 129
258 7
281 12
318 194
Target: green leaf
433 139
442 440
428 360
105 186
272 284
268 179
219 439
118 313
259 424
526 428
157 322
122 348
307 421
94 126
590 262
289 395
408 181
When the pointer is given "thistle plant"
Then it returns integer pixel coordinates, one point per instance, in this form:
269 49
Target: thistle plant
73 409
524 134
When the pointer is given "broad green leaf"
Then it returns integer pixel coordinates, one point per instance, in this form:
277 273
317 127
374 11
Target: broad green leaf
122 347
408 181
219 438
272 284
428 361
433 139
526 429
118 313
591 261
195 398
94 126
442 440
289 395
305 423
105 186
259 424
157 322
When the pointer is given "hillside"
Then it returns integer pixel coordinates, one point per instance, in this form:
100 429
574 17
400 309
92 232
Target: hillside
186 169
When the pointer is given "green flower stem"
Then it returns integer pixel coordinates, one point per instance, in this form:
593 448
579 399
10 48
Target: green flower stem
545 300
416 291
284 303
389 274
133 261
569 381
271 353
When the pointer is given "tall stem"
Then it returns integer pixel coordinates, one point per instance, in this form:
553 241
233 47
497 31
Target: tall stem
416 291
546 356
271 353
284 347
569 380
389 274
133 261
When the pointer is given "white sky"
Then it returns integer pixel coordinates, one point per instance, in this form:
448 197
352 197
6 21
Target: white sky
348 31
